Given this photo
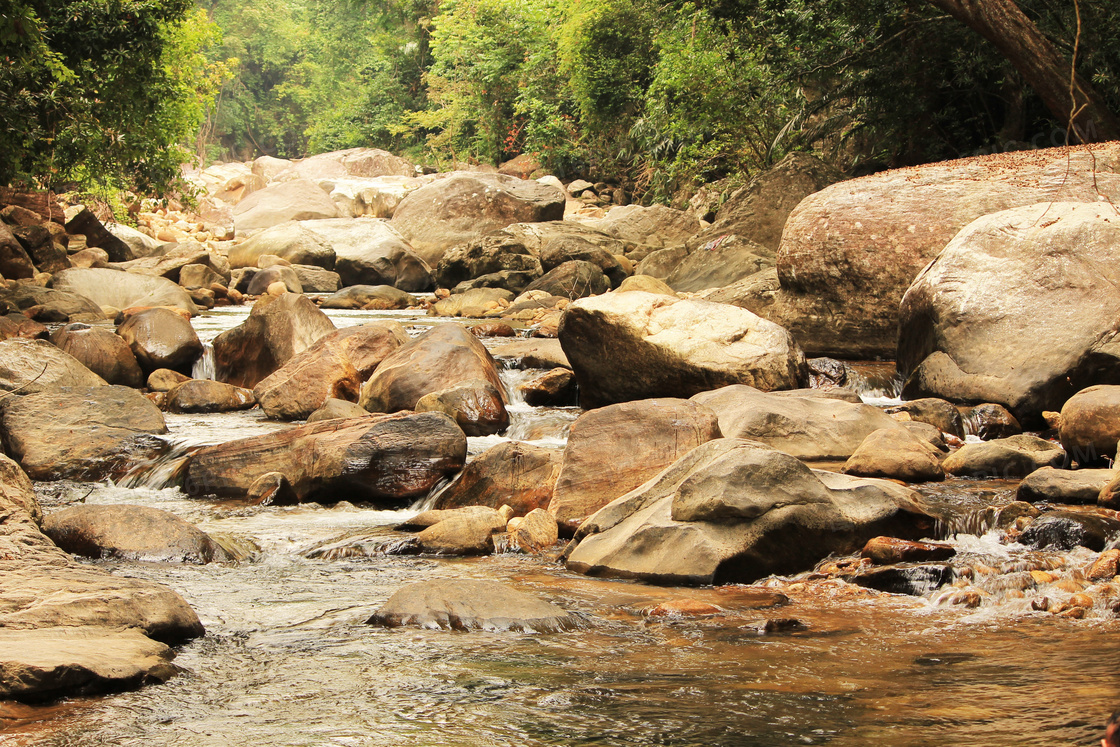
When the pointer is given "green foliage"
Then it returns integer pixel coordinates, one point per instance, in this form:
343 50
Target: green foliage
101 92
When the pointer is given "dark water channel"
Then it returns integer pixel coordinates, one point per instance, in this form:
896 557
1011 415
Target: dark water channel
288 660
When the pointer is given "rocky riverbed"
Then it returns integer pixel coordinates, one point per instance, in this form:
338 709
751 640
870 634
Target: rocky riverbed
270 473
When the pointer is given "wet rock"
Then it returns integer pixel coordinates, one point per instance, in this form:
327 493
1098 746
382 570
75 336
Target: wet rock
272 489
683 608
473 303
131 533
101 351
431 517
83 433
372 252
263 279
334 409
334 367
463 206
1105 567
160 338
493 253
123 290
1090 424
518 474
890 550
626 346
440 359
1064 486
538 353
915 580
895 453
30 366
827 372
1065 530
731 511
614 449
475 405
466 604
388 459
575 279
202 395
463 534
300 199
1109 497
808 427
164 379
1006 458
535 533
991 331
991 421
277 329
43 664
360 296
937 412
493 329
557 388
295 242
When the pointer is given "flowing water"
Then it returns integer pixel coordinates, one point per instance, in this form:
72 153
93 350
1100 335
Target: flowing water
288 660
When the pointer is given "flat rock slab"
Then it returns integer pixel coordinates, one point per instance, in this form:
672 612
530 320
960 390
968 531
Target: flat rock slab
40 664
466 604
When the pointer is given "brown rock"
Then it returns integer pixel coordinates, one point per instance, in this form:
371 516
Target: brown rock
161 338
895 453
683 608
1091 424
557 388
132 533
202 395
536 533
518 474
335 409
1105 567
164 379
890 550
101 351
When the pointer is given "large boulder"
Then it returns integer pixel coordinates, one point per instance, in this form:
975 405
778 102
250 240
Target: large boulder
277 329
495 252
464 205
898 454
122 290
389 459
626 346
51 303
14 260
1050 485
851 250
562 249
440 359
102 352
468 604
516 474
375 197
160 338
299 199
733 511
1090 427
476 405
292 241
614 449
1007 458
169 265
80 433
372 252
1019 309
334 367
29 366
811 428
132 533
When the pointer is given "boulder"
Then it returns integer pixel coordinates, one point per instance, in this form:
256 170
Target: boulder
733 511
990 421
1007 458
915 579
473 303
509 280
469 534
891 550
387 459
879 231
203 395
30 366
170 264
139 243
806 427
193 276
462 206
360 296
556 388
531 354
467 604
1090 427
160 338
647 284
131 533
431 517
562 249
574 279
61 661
102 352
83 221
51 303
536 533
937 412
645 229
164 379
614 449
336 409
293 241
521 166
1065 530
1051 485
898 454
516 474
333 367
718 263
262 280
439 359
373 197
476 405
123 290
45 253
277 329
372 252
495 252
626 346
80 433
299 199
1019 309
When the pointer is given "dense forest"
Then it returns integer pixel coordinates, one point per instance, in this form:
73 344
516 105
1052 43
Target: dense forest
657 95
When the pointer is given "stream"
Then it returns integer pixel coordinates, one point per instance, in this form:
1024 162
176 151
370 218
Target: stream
288 660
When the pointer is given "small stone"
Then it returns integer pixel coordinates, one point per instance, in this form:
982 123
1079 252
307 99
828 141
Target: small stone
1081 600
1105 567
506 512
272 489
683 608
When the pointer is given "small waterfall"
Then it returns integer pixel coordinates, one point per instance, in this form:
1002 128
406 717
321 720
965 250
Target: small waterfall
205 367
166 470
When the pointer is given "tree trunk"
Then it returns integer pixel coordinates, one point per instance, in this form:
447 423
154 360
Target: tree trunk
1003 24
